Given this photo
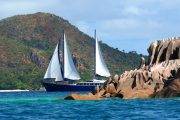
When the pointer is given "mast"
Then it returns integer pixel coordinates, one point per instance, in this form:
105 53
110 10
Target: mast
63 51
61 60
95 54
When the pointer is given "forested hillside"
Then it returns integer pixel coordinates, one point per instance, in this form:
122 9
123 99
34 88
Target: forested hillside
27 43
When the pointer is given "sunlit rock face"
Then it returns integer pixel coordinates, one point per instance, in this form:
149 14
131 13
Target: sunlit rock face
159 78
160 51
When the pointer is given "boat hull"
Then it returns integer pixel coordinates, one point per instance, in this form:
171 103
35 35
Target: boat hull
50 87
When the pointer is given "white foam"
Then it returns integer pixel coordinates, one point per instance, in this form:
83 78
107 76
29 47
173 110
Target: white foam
17 90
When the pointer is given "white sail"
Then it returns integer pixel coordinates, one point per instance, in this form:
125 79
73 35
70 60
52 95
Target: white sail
70 71
101 68
54 68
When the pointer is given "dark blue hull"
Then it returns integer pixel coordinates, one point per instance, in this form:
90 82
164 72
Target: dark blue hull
50 87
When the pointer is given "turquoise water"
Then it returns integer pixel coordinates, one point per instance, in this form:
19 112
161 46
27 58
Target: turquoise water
51 106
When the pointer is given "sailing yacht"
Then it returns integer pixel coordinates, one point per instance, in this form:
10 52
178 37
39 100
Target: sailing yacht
62 75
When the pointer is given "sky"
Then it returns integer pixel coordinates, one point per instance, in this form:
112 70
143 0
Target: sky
129 25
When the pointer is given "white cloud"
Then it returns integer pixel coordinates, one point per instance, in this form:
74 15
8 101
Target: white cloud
134 10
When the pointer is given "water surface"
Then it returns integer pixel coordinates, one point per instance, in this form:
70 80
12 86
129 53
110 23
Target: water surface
51 106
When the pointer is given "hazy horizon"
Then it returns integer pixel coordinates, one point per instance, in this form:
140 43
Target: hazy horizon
126 25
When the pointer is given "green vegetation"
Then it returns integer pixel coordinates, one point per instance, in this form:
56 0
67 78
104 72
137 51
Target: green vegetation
27 42
16 71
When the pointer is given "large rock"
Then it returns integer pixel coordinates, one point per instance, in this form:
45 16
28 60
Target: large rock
89 96
160 78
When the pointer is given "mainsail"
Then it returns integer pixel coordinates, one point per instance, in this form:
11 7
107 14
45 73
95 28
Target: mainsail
70 71
101 68
54 68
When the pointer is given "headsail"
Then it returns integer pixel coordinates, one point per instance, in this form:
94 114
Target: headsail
70 71
101 68
54 68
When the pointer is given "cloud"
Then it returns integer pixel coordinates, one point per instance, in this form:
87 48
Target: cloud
138 11
133 10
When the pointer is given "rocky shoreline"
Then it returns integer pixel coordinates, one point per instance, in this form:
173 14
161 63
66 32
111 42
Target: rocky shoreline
159 78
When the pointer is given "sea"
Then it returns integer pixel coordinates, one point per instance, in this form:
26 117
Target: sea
52 106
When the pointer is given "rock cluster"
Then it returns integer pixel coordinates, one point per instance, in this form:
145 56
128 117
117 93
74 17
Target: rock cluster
160 78
35 58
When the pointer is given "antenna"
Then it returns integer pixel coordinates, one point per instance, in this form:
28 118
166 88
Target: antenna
95 34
